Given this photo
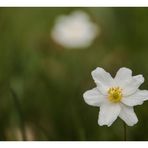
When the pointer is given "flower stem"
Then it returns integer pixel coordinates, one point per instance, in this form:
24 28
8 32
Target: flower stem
124 132
20 113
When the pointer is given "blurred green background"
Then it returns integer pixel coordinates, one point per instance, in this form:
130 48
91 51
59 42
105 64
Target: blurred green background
41 83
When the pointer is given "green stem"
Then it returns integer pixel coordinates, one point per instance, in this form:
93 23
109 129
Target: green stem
20 113
125 132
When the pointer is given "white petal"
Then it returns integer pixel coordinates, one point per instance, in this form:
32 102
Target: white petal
103 79
136 98
108 113
123 76
128 115
133 85
93 97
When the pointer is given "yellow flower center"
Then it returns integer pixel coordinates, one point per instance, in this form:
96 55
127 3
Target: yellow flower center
115 94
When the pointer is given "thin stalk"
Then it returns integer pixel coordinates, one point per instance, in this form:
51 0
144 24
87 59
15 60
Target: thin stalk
20 113
124 132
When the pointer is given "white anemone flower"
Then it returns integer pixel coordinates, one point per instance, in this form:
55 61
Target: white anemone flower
75 30
116 96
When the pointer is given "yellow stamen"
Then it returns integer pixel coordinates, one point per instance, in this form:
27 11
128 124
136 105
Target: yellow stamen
115 94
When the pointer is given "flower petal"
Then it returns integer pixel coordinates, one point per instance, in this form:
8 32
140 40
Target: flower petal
108 113
136 98
128 115
93 97
123 76
133 85
103 79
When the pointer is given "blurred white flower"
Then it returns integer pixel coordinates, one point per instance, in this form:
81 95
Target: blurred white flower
116 96
75 30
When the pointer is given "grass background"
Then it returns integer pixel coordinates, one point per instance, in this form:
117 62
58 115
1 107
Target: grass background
42 83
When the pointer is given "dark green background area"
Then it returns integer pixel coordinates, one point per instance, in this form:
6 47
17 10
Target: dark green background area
42 83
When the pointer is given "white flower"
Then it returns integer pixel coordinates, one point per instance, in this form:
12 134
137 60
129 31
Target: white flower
116 96
75 30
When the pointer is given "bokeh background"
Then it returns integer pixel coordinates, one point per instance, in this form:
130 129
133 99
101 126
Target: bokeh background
42 83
